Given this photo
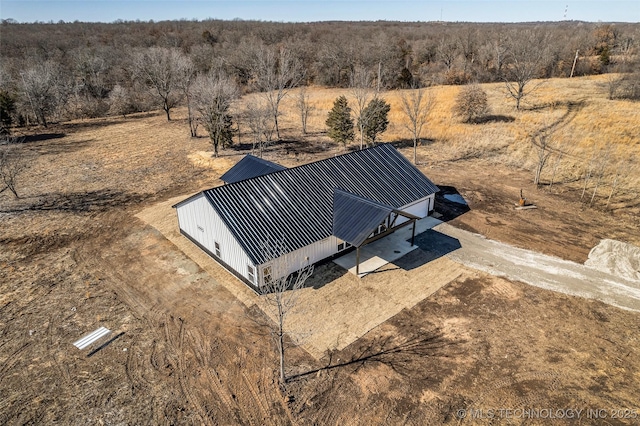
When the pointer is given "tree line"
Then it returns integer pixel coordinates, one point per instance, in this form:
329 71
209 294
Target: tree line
74 70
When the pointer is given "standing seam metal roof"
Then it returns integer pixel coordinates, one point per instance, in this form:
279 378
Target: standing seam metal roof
354 217
296 205
250 167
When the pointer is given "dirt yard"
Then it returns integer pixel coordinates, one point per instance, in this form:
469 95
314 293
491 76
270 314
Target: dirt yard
74 256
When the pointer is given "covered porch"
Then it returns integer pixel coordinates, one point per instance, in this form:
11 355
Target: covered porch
379 233
375 255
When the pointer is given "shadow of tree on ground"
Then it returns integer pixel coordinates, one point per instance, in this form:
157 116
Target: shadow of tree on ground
399 356
75 202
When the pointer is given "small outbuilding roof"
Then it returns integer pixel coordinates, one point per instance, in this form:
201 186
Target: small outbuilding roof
296 205
250 167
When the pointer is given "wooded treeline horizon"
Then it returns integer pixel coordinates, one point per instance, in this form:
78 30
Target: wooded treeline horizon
84 70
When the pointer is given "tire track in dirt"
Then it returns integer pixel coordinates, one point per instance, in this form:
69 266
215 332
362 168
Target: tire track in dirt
202 356
133 371
62 369
182 378
252 387
12 360
318 401
222 393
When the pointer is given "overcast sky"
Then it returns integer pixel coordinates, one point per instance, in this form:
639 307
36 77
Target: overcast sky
314 10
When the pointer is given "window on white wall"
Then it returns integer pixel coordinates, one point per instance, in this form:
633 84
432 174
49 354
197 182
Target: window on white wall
251 273
217 248
266 273
343 246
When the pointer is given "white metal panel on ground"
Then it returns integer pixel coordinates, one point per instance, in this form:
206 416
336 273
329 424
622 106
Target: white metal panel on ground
201 222
91 337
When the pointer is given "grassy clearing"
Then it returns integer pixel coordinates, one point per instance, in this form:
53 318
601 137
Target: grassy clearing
590 135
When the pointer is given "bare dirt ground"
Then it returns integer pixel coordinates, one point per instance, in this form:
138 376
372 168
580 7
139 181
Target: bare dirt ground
347 307
74 256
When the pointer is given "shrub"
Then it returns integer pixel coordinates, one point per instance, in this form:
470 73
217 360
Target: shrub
471 103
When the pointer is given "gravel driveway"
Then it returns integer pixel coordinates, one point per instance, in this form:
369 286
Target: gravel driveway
552 273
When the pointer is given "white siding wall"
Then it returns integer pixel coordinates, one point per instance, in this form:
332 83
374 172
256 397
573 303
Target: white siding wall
420 208
198 219
310 254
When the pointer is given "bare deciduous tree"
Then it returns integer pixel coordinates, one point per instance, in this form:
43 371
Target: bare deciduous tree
281 292
275 73
601 166
186 77
120 101
304 108
41 90
162 70
416 105
542 141
361 81
560 152
468 42
589 168
212 97
447 51
13 163
492 54
258 118
614 82
624 170
526 53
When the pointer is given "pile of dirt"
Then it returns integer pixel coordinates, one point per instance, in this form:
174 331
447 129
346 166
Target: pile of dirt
617 258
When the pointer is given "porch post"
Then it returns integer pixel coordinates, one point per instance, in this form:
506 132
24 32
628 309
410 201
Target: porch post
413 232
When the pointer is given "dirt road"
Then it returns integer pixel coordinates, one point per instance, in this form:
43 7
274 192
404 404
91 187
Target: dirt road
537 269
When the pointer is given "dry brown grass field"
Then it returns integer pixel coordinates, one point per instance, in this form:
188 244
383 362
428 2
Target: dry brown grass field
585 126
74 256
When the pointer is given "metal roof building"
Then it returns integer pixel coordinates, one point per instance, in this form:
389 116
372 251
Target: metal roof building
250 167
315 210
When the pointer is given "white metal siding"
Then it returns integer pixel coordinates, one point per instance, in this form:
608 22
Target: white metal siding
310 254
420 208
201 222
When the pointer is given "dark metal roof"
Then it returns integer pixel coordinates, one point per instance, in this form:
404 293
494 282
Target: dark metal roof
250 167
296 205
355 218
